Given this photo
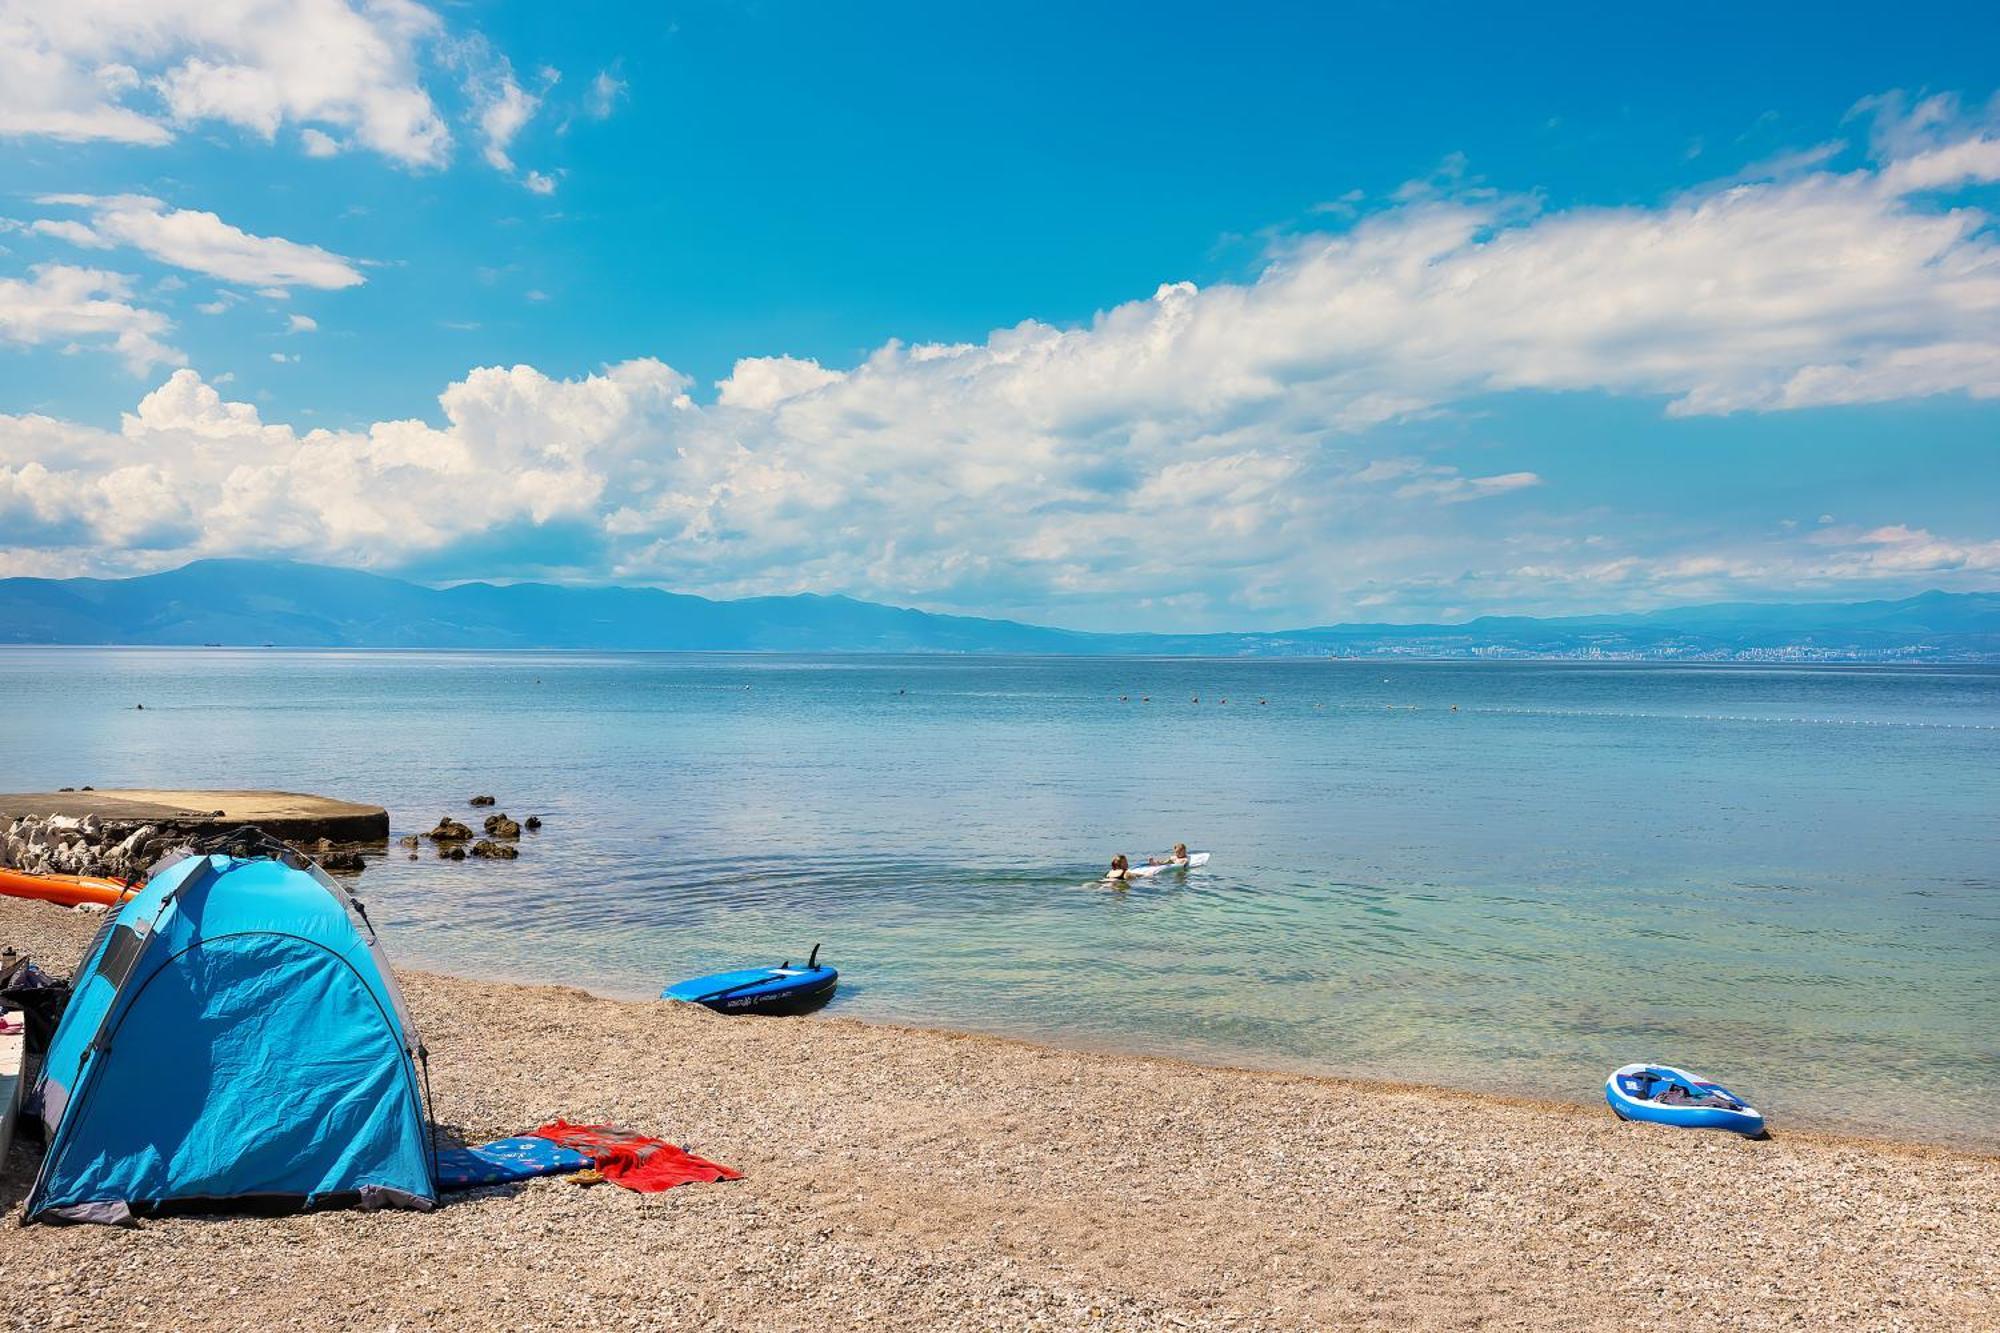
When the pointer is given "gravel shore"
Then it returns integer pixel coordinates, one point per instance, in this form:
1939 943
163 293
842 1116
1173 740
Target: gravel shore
910 1179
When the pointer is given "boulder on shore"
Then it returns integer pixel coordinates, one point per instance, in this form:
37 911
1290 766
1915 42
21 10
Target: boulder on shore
499 826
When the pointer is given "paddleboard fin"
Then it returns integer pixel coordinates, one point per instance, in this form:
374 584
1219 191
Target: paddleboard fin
813 961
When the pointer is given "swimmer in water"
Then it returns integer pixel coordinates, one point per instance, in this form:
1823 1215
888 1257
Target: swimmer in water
1120 868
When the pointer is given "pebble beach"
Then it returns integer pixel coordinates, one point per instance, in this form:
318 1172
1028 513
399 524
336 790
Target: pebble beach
904 1178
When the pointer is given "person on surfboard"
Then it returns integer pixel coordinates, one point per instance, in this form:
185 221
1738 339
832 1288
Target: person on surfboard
1179 857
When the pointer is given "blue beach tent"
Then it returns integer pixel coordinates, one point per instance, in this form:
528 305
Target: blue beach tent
235 1041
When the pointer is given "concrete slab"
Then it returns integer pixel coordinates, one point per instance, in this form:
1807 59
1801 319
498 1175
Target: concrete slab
293 816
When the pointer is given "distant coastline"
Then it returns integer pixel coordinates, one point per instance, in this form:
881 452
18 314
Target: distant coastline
250 604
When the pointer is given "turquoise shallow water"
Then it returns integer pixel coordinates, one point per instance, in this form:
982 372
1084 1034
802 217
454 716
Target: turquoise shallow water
1785 877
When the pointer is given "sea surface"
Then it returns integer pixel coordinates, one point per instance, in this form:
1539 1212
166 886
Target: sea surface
1498 876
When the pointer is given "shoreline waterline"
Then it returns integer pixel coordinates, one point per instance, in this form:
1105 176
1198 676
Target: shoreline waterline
1590 1102
906 1178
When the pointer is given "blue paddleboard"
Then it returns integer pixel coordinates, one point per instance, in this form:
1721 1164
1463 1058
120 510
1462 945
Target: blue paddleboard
760 990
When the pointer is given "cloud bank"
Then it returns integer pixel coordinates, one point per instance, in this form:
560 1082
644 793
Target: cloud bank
1215 454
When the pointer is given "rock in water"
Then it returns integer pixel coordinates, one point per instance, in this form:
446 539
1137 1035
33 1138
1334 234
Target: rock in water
494 851
449 830
480 800
451 851
343 863
408 840
499 826
534 822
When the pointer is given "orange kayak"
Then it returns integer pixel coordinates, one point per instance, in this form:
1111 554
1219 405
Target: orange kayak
69 890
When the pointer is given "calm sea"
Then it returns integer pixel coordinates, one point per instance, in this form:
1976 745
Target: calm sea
1501 876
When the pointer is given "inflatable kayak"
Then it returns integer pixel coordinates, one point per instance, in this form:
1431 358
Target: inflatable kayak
1670 1096
1195 860
760 990
69 890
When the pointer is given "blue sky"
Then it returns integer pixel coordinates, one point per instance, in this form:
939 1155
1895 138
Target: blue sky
1479 315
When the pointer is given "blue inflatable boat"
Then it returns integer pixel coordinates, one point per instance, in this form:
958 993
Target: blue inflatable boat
760 990
1670 1096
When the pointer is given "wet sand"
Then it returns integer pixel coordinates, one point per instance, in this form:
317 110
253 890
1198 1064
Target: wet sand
900 1178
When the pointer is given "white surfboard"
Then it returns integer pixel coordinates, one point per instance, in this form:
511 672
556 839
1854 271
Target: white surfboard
1194 861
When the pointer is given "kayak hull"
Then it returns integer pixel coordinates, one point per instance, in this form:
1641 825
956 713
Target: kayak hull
769 991
67 890
1632 1092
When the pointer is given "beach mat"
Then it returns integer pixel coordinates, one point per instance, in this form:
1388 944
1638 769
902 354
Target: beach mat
504 1161
635 1161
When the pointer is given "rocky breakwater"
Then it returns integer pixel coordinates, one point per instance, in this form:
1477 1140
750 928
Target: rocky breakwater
84 845
123 850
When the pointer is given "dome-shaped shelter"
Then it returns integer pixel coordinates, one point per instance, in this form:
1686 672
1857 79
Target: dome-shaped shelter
235 1040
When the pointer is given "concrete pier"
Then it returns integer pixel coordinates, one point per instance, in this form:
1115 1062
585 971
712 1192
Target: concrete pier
293 816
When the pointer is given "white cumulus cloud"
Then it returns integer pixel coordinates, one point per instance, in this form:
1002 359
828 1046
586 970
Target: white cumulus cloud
199 242
62 304
139 73
762 382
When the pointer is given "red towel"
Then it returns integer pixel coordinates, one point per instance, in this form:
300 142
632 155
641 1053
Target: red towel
634 1160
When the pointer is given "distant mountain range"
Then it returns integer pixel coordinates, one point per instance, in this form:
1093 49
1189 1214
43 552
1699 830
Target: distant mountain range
277 603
